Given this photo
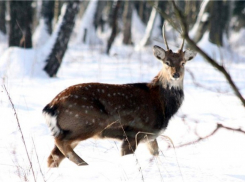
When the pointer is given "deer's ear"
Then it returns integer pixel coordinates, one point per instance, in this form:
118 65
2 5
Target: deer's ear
189 55
159 52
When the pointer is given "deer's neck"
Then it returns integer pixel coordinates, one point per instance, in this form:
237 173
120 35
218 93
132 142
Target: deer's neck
170 93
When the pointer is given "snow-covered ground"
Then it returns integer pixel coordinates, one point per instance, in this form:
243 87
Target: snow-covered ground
218 158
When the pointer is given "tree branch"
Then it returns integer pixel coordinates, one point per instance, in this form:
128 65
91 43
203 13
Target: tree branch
219 126
211 61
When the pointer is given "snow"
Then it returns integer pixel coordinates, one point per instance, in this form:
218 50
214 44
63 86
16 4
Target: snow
41 34
218 158
87 26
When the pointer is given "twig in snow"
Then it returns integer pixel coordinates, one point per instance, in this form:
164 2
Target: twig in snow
218 126
38 161
22 136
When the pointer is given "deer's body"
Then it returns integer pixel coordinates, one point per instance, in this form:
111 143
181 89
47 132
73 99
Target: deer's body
117 111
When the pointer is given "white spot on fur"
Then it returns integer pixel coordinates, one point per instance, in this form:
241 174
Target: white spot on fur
77 116
86 111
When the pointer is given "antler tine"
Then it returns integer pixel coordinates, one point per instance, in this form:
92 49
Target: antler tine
182 45
164 38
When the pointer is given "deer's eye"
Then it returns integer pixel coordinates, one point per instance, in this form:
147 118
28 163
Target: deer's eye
183 64
167 63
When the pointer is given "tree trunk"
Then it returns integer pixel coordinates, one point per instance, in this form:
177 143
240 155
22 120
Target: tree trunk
55 58
202 22
219 17
191 11
146 39
116 6
87 32
57 9
127 20
47 13
98 19
20 24
2 17
238 12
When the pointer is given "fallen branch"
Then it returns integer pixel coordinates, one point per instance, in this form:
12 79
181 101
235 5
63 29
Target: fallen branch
219 126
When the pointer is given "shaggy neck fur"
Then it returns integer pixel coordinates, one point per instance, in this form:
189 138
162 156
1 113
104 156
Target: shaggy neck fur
171 94
163 79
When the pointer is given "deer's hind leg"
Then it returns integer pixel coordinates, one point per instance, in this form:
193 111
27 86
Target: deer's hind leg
55 157
66 147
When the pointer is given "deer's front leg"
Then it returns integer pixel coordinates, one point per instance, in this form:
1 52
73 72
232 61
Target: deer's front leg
153 147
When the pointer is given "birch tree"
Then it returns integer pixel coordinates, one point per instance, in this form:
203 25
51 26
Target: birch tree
55 57
149 28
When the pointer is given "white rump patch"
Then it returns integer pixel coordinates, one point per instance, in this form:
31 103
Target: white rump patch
51 121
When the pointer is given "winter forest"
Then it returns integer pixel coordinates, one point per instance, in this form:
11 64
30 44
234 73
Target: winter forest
48 45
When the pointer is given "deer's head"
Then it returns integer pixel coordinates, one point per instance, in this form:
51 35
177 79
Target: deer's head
173 63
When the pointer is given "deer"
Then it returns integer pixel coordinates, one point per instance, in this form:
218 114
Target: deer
125 112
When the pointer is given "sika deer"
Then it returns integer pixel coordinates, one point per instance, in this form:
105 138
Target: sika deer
117 111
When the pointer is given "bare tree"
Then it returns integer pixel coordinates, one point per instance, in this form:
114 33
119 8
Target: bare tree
47 13
202 22
127 21
218 21
149 28
98 18
238 13
21 23
55 58
2 17
211 61
115 10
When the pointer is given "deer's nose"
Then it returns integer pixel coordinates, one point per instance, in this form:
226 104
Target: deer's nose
176 75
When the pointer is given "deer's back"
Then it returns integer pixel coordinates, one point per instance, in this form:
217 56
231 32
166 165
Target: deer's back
92 107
